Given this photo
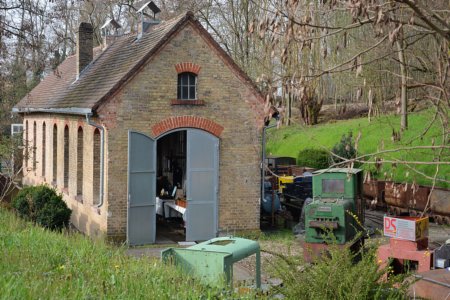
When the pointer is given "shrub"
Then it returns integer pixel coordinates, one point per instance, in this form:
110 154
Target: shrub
345 148
339 275
42 205
313 158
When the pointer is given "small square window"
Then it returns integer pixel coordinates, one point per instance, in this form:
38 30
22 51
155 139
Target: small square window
187 86
333 186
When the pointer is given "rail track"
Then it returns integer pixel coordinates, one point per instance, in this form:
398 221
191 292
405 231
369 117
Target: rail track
375 217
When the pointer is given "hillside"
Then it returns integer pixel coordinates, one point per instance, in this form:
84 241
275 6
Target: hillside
39 264
288 141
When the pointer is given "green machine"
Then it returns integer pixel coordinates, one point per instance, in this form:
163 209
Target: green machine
337 205
213 260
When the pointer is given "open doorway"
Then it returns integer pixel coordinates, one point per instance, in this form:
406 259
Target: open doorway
171 188
184 166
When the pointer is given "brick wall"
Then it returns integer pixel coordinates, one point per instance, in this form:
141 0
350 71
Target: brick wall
228 110
85 216
146 101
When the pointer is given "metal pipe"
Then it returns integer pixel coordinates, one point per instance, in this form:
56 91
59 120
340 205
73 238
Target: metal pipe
102 150
263 157
258 269
433 281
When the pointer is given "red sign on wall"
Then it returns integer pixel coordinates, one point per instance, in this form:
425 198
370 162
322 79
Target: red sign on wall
390 228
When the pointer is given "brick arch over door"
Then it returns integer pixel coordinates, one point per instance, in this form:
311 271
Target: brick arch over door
188 122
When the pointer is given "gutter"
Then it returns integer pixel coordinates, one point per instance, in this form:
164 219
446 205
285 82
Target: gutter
102 151
66 111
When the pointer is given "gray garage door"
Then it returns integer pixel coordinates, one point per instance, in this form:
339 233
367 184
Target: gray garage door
202 185
141 226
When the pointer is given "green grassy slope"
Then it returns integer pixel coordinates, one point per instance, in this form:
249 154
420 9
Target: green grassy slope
288 141
38 264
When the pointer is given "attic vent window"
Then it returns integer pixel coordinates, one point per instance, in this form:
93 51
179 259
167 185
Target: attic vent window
187 86
187 91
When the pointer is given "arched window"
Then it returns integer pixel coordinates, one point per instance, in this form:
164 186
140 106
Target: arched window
80 161
66 156
34 146
27 144
96 168
44 142
55 153
187 86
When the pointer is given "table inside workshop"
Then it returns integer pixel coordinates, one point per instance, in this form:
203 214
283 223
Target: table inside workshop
165 207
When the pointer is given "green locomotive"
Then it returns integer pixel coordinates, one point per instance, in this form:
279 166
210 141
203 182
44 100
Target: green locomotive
337 206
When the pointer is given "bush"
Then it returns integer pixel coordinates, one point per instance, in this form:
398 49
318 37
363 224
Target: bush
42 205
339 275
313 158
345 149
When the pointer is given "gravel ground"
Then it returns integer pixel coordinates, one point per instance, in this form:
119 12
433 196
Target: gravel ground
245 269
285 248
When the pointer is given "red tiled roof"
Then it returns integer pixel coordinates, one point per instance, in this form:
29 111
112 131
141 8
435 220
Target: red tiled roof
109 70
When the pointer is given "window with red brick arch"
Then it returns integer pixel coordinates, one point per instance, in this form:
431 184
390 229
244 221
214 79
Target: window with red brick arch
187 86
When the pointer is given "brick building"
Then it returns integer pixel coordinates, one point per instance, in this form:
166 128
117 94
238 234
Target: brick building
115 125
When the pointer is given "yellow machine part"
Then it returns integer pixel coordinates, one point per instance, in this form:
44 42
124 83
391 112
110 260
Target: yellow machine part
282 180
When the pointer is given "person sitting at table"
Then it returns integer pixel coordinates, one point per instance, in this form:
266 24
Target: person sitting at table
164 187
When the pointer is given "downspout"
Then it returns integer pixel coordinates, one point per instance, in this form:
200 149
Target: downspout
263 157
102 150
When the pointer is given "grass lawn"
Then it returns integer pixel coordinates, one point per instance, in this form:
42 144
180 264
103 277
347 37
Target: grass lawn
375 136
38 264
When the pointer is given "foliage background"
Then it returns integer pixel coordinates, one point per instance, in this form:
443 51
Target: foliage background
375 135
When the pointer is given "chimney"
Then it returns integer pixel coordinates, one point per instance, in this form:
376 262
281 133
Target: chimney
110 31
146 23
85 52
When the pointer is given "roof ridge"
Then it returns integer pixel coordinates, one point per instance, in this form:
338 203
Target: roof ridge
178 21
168 22
133 34
111 69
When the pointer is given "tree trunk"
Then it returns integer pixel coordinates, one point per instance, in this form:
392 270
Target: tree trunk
289 109
404 91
